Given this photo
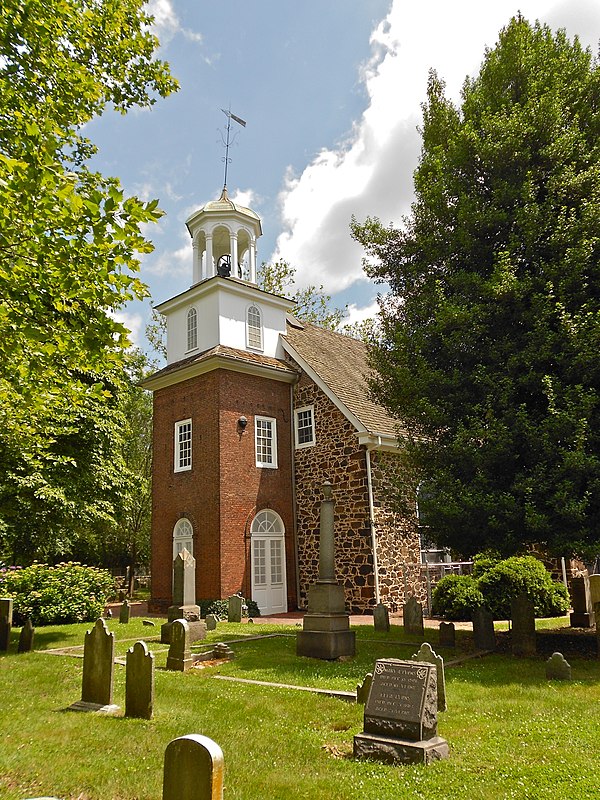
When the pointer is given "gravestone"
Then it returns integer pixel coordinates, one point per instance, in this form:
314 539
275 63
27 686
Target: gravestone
211 622
326 630
522 614
179 657
597 621
26 637
582 615
98 668
148 623
222 650
139 681
363 689
484 635
557 668
447 636
6 616
400 718
184 599
234 608
594 584
381 618
412 616
193 769
124 612
426 654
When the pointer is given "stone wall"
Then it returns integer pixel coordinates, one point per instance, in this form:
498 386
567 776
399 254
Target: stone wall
337 457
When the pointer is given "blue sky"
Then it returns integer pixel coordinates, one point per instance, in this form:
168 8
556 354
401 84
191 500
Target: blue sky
331 92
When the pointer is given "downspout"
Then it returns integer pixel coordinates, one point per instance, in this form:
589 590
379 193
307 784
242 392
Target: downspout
372 521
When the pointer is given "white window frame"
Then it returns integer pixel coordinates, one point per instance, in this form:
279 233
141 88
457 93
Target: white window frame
254 330
192 329
182 461
259 435
297 413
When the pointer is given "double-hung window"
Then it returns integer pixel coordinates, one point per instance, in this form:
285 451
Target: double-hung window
304 425
265 434
183 445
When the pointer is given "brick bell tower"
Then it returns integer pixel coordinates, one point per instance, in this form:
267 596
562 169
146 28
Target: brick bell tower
222 466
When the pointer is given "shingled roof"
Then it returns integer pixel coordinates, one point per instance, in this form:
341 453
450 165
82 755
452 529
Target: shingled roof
340 364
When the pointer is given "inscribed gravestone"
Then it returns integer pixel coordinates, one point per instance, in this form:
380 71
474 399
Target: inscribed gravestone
447 634
234 609
124 612
412 616
180 655
139 682
6 615
193 769
26 637
557 668
522 613
400 718
483 629
98 667
582 615
425 653
381 618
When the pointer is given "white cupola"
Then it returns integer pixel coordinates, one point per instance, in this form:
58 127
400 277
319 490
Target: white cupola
224 238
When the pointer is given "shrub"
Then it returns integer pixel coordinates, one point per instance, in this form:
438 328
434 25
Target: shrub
522 574
62 594
483 562
220 607
455 597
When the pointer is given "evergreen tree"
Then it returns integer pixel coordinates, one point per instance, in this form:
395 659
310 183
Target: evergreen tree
491 331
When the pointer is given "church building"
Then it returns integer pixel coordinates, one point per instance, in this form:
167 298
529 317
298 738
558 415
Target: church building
253 412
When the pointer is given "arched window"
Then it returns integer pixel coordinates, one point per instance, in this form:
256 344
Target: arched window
254 328
183 537
192 329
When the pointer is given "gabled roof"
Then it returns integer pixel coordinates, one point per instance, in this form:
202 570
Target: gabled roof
339 366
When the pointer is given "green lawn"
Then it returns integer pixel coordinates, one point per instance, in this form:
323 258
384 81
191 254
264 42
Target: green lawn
512 734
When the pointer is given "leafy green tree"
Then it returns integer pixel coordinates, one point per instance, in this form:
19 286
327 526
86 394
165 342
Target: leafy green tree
69 240
491 330
312 304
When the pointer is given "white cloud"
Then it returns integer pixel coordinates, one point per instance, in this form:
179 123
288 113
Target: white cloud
371 172
134 323
360 314
166 22
174 264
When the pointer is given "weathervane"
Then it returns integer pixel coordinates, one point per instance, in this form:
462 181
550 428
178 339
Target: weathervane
227 140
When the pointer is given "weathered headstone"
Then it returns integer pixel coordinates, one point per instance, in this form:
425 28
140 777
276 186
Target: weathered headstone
234 608
484 636
363 689
148 623
594 584
557 668
582 615
447 634
326 630
522 614
139 681
98 670
184 599
597 621
400 719
428 655
26 637
381 618
222 650
124 612
412 616
6 616
193 769
179 657
211 622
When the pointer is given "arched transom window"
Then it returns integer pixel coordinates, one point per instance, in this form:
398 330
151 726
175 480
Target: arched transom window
183 537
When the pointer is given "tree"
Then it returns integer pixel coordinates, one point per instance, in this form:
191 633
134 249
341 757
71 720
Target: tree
312 304
69 240
491 330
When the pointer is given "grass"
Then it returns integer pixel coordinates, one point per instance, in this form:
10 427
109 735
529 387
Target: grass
512 734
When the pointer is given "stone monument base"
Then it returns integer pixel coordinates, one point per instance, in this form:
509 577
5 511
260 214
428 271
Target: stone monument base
96 708
580 619
400 751
326 636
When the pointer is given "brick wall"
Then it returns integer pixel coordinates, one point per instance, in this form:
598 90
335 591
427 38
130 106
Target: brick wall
224 490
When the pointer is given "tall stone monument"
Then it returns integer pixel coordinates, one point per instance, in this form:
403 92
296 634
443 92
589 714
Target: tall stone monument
184 599
582 615
326 630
